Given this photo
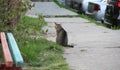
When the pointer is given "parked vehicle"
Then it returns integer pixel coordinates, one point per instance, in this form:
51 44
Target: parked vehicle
76 4
112 13
85 4
96 10
82 5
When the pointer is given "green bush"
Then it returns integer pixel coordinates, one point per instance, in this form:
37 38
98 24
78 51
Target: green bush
11 10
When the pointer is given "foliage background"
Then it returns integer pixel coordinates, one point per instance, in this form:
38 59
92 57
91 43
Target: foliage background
11 11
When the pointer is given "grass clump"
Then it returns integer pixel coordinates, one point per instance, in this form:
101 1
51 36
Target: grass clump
40 52
99 23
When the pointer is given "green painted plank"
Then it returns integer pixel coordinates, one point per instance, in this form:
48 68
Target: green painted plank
17 57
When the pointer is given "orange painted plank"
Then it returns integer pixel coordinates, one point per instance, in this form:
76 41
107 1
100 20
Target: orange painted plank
6 51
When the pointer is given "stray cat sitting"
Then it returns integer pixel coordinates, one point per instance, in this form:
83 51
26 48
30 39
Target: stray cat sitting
61 38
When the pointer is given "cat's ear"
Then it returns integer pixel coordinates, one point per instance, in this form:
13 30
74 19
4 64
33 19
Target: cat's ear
55 23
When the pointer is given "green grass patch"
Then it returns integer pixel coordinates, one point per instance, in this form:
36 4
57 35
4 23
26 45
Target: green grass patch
37 52
92 20
45 55
99 23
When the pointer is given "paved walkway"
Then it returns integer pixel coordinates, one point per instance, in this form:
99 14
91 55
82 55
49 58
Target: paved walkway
96 47
49 9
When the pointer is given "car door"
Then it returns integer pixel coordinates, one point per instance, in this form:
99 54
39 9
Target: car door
112 13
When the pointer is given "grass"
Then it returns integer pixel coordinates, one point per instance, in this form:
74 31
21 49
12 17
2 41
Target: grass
38 53
92 20
99 23
43 54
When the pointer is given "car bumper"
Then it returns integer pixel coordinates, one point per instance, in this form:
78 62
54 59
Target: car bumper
93 15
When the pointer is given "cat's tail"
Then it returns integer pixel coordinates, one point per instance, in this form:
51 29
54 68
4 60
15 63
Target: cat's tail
69 46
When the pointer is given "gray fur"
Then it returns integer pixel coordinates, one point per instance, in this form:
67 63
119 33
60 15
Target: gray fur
61 38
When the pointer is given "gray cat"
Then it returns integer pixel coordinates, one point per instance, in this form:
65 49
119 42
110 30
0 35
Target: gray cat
61 38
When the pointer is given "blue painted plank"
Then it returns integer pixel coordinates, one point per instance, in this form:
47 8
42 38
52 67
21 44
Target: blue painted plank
17 57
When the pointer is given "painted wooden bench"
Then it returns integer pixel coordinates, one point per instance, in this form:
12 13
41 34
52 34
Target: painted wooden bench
6 52
12 56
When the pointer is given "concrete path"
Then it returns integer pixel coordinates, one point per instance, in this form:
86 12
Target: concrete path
95 47
49 9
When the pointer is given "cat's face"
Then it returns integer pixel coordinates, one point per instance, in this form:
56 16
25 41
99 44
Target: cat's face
57 27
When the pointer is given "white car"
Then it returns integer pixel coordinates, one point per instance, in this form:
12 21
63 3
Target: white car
96 10
82 5
85 4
